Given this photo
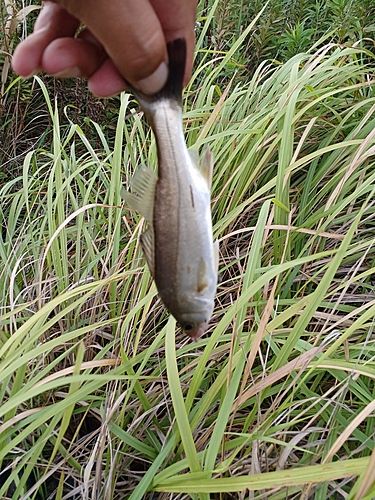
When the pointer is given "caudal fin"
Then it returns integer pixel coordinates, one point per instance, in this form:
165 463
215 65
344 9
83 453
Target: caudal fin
176 70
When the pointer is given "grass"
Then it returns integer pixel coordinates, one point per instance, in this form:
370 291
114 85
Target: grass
101 396
288 27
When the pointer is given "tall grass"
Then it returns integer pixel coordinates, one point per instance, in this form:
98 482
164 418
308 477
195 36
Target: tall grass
25 122
288 27
101 396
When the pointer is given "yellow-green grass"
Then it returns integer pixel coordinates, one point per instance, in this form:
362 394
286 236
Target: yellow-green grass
101 396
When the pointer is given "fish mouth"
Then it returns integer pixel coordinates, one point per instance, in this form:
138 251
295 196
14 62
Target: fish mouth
194 322
196 333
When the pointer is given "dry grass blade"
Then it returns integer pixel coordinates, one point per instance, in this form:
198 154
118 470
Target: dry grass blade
348 431
299 363
367 481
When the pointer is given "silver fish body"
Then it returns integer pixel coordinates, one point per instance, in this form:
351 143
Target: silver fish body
178 242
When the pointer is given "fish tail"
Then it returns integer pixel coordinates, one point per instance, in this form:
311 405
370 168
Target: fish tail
176 69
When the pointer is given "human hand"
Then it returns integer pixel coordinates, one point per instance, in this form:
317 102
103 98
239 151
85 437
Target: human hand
123 40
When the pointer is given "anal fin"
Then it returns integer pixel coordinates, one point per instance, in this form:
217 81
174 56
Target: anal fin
194 155
204 164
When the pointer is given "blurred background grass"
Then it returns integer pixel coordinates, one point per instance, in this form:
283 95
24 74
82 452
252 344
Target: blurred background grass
99 397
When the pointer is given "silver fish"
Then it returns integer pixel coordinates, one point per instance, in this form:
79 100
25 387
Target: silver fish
178 243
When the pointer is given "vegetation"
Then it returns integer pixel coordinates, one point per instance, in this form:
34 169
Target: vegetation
101 396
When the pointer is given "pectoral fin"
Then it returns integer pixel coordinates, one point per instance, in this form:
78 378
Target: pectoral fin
148 247
142 199
202 275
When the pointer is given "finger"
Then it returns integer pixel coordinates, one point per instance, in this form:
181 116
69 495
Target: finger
53 22
132 35
177 19
67 57
106 81
140 56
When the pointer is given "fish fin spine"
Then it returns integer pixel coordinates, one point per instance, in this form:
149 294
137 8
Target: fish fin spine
148 246
142 199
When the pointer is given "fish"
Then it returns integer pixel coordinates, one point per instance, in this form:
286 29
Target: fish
176 204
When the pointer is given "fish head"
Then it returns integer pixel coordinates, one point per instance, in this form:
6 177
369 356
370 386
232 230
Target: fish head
194 320
195 330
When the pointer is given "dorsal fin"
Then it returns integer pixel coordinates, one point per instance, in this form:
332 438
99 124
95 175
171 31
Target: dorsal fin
142 199
148 247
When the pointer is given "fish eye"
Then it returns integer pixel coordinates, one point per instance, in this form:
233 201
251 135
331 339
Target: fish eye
188 327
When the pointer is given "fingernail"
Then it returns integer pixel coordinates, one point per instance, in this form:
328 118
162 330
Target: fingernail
30 75
72 72
154 82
